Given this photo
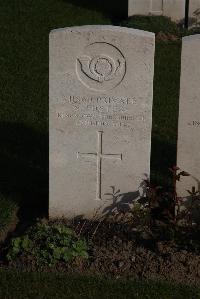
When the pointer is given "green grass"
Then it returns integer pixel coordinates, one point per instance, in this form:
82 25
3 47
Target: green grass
50 285
25 26
153 24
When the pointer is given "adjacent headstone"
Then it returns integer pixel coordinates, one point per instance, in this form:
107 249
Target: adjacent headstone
101 91
188 158
142 7
175 9
194 13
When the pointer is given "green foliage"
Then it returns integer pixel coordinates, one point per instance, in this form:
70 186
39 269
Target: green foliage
7 210
19 245
141 214
48 244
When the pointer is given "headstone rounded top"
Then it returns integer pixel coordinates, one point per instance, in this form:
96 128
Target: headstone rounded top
104 28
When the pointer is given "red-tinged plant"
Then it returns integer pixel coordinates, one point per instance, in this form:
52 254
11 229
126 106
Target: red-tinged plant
164 207
176 176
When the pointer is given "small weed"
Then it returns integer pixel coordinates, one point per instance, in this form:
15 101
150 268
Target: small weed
48 244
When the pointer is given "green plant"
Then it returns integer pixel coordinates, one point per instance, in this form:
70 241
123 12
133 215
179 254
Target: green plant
48 244
23 244
140 214
194 199
8 211
176 176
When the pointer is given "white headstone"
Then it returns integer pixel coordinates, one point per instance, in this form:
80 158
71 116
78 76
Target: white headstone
145 7
188 158
175 9
194 12
101 91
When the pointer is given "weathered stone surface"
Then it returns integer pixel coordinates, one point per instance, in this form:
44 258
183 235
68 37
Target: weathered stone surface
188 157
175 9
194 13
101 91
139 7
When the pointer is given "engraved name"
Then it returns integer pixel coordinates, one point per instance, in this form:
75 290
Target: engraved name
101 111
101 100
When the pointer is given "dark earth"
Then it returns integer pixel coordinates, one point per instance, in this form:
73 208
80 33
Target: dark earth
120 250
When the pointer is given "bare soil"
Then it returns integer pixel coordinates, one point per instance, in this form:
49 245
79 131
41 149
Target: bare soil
119 250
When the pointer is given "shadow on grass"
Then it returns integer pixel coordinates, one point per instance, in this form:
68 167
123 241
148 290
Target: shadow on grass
24 169
163 156
116 10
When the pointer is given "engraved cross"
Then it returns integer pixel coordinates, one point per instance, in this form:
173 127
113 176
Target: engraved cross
99 156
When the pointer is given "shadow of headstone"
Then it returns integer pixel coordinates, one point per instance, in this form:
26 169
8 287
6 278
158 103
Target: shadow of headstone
116 10
163 156
24 168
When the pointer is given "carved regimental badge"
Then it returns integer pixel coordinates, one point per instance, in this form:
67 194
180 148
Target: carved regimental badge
102 66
